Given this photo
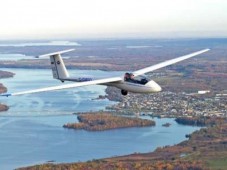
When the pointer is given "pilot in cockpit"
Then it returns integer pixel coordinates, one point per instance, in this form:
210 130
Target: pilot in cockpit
129 77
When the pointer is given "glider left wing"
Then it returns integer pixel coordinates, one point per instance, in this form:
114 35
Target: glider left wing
67 86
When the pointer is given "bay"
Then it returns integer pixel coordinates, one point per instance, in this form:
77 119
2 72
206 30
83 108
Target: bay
31 131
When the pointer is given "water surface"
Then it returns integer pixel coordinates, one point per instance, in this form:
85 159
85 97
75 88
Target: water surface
31 131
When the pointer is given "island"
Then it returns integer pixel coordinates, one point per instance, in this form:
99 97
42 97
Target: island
3 107
3 89
106 121
166 124
6 74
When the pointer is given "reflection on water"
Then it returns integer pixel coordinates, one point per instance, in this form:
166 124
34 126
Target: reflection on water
31 131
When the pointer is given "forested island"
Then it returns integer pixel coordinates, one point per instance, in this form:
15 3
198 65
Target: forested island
6 74
3 107
106 121
3 89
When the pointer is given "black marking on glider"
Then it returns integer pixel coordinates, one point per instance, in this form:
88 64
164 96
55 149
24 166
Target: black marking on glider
56 67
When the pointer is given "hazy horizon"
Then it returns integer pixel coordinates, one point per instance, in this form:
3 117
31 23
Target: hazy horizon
75 39
112 19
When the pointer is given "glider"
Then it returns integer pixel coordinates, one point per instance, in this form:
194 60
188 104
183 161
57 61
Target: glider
129 82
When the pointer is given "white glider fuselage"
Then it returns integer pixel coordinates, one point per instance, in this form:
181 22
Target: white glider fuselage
149 87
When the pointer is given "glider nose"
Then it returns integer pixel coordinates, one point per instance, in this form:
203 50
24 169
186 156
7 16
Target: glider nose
157 88
154 86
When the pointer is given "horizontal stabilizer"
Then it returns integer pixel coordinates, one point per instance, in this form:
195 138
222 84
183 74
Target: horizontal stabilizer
59 70
54 53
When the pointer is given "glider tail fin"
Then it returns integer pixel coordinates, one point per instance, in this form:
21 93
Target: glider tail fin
59 70
58 67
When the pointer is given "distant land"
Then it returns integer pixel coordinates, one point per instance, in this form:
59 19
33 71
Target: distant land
97 121
116 54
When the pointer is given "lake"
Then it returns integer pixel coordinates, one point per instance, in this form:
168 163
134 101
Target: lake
31 130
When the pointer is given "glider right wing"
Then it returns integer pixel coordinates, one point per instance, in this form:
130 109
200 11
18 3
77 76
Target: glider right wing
167 63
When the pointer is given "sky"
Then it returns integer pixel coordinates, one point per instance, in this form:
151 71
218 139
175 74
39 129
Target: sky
59 19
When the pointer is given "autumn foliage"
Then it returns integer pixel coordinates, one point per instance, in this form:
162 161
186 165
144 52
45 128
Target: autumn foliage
121 165
200 121
104 121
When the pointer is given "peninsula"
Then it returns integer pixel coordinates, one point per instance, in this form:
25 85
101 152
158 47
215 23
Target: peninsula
200 120
106 121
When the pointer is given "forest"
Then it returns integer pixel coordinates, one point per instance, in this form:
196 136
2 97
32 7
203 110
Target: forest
200 121
106 121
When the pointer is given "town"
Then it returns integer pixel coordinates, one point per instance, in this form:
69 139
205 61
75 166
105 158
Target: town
170 104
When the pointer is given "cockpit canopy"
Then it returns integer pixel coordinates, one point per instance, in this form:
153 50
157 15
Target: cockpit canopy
129 77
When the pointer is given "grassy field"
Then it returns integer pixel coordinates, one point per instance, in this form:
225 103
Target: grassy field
218 164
